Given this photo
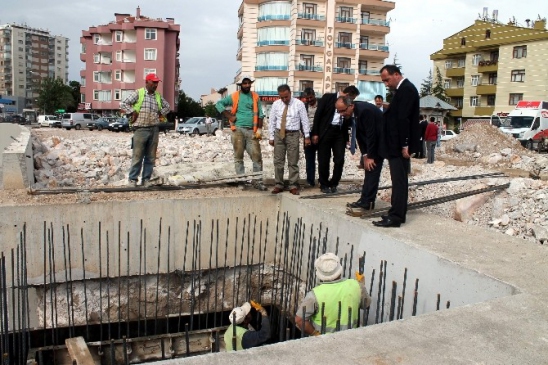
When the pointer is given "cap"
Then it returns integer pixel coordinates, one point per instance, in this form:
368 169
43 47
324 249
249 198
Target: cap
152 77
328 267
243 77
241 313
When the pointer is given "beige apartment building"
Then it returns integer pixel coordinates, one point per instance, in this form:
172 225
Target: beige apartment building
323 44
490 66
28 55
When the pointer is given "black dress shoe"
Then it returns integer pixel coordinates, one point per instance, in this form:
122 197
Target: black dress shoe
333 189
362 205
325 189
384 217
387 223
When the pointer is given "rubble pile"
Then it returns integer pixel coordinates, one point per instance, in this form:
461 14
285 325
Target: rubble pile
98 159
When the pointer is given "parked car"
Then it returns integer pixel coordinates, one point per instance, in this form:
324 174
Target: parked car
447 134
121 124
196 126
167 126
16 119
101 123
77 120
48 121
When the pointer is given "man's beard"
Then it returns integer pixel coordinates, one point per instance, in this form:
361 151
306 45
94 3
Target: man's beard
246 89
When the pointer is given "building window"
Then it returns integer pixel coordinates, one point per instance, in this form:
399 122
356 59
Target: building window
475 80
303 84
119 56
461 62
460 82
488 34
459 103
345 13
362 66
476 59
345 40
96 76
447 84
149 71
517 76
96 58
365 17
101 95
150 54
474 101
117 94
463 41
343 62
310 9
306 63
118 36
96 38
520 52
491 100
494 56
340 86
150 33
83 81
308 36
514 99
448 64
118 75
492 79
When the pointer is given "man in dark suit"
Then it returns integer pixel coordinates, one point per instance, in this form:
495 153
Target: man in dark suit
330 133
368 121
400 140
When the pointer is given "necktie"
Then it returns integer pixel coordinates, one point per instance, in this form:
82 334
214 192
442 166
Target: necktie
353 138
284 122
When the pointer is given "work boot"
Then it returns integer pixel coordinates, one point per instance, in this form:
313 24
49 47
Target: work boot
259 186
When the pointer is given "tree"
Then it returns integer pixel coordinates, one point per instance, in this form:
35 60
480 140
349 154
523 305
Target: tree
53 94
210 109
438 90
426 86
75 91
188 107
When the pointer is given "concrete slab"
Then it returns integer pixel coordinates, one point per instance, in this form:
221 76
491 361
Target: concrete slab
507 330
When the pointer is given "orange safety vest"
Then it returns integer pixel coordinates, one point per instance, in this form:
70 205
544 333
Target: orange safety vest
255 96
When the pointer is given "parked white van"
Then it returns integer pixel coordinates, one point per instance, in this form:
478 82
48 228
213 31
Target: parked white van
527 121
48 120
77 120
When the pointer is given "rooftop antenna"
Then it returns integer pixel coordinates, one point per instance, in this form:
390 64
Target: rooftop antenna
495 15
485 13
527 21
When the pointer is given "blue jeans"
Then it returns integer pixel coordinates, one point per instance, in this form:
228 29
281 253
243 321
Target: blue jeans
310 157
244 140
145 143
431 146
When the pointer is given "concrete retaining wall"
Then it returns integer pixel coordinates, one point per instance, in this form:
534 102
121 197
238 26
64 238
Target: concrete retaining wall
17 169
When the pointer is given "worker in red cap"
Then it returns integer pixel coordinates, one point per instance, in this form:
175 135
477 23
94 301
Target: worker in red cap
147 109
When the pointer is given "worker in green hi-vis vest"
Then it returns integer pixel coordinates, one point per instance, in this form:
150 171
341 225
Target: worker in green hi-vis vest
335 302
240 335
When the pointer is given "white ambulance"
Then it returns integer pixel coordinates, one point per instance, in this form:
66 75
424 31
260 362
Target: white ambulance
527 122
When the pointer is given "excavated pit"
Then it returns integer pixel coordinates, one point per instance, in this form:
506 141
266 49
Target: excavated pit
149 280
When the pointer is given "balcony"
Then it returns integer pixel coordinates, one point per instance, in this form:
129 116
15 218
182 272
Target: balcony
271 68
273 43
484 110
345 19
311 16
455 72
488 66
309 68
271 17
487 89
343 70
373 51
375 26
309 42
383 6
455 92
456 113
345 45
374 47
380 22
369 72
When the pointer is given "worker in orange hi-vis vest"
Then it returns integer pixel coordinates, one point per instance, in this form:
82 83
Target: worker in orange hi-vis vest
245 116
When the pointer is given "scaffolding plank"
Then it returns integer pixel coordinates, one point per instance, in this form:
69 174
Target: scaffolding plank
79 351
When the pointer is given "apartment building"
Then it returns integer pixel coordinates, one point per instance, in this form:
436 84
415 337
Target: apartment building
323 44
28 55
120 54
489 66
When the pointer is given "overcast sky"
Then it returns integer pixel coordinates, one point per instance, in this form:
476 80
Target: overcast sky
208 30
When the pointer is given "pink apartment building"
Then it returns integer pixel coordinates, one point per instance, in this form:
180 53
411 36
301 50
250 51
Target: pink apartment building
120 54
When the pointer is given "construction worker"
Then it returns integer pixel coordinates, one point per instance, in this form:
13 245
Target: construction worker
239 334
246 122
333 296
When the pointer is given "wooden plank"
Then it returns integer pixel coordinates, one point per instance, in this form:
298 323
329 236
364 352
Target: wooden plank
79 352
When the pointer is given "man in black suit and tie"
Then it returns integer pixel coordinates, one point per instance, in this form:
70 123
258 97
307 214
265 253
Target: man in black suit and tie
399 141
368 121
330 133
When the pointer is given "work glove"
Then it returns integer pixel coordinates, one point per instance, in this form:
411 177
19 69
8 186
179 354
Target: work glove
233 128
360 277
259 308
316 333
258 135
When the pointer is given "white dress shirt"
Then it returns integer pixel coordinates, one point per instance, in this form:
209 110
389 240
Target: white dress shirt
295 118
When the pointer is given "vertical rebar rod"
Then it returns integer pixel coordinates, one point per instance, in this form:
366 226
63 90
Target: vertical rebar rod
448 304
128 283
158 276
199 263
367 310
182 285
216 308
415 297
224 269
100 286
145 314
109 322
25 277
140 278
245 226
71 288
66 279
44 264
3 313
209 273
438 299
52 286
349 325
13 306
234 303
20 308
322 313
192 276
398 315
350 261
338 322
82 246
383 291
403 293
168 278
187 340
120 281
392 314
379 292
247 261
124 348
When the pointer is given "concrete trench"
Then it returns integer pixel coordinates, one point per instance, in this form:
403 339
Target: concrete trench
83 269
